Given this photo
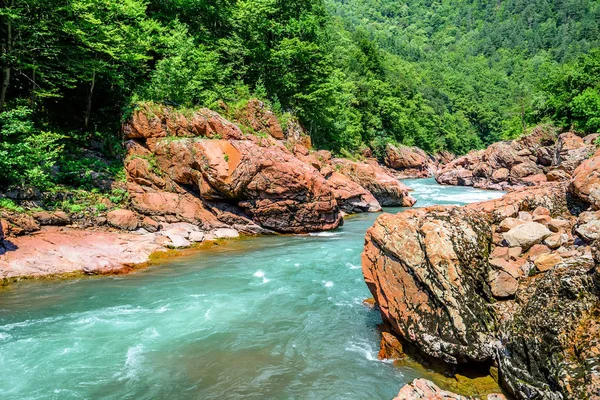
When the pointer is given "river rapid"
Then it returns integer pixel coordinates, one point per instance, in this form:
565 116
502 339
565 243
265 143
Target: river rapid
261 318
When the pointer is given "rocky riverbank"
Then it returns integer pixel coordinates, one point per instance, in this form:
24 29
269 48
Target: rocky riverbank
544 155
510 284
196 176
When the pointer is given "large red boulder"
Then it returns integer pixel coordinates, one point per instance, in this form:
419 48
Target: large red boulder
122 219
409 159
586 181
418 249
388 190
447 283
274 188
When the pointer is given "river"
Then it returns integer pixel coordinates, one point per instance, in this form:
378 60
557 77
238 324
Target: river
261 318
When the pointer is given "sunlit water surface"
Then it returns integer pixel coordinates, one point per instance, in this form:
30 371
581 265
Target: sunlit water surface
263 318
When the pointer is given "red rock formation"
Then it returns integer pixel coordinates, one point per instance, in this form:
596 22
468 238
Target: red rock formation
422 389
534 159
467 283
176 174
274 188
586 181
234 178
387 189
260 118
410 162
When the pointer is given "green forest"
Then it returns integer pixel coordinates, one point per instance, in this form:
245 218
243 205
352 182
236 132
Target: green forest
442 75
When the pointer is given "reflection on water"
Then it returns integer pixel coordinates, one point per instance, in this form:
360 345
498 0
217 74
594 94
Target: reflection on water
271 317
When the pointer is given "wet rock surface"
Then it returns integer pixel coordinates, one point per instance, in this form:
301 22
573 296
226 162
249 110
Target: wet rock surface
55 250
422 389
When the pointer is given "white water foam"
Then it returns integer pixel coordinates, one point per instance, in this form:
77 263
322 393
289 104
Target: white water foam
133 361
353 266
151 333
325 234
366 350
163 309
31 322
328 284
261 274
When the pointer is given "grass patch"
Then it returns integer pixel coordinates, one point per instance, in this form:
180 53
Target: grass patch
10 205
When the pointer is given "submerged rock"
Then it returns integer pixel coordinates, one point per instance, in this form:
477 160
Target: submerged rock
390 347
421 389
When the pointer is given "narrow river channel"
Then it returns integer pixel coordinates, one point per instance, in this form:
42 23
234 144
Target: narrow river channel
261 318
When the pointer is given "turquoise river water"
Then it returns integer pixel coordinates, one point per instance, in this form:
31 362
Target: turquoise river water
262 318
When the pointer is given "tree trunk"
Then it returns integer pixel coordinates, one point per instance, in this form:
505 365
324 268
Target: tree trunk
523 115
6 49
32 98
88 111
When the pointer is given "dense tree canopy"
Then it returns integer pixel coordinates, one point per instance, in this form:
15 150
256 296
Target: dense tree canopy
445 74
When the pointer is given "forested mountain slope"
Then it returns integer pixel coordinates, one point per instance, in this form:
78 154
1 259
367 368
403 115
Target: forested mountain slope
357 73
498 63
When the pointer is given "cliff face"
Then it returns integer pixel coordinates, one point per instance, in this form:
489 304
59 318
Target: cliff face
425 269
511 282
205 170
